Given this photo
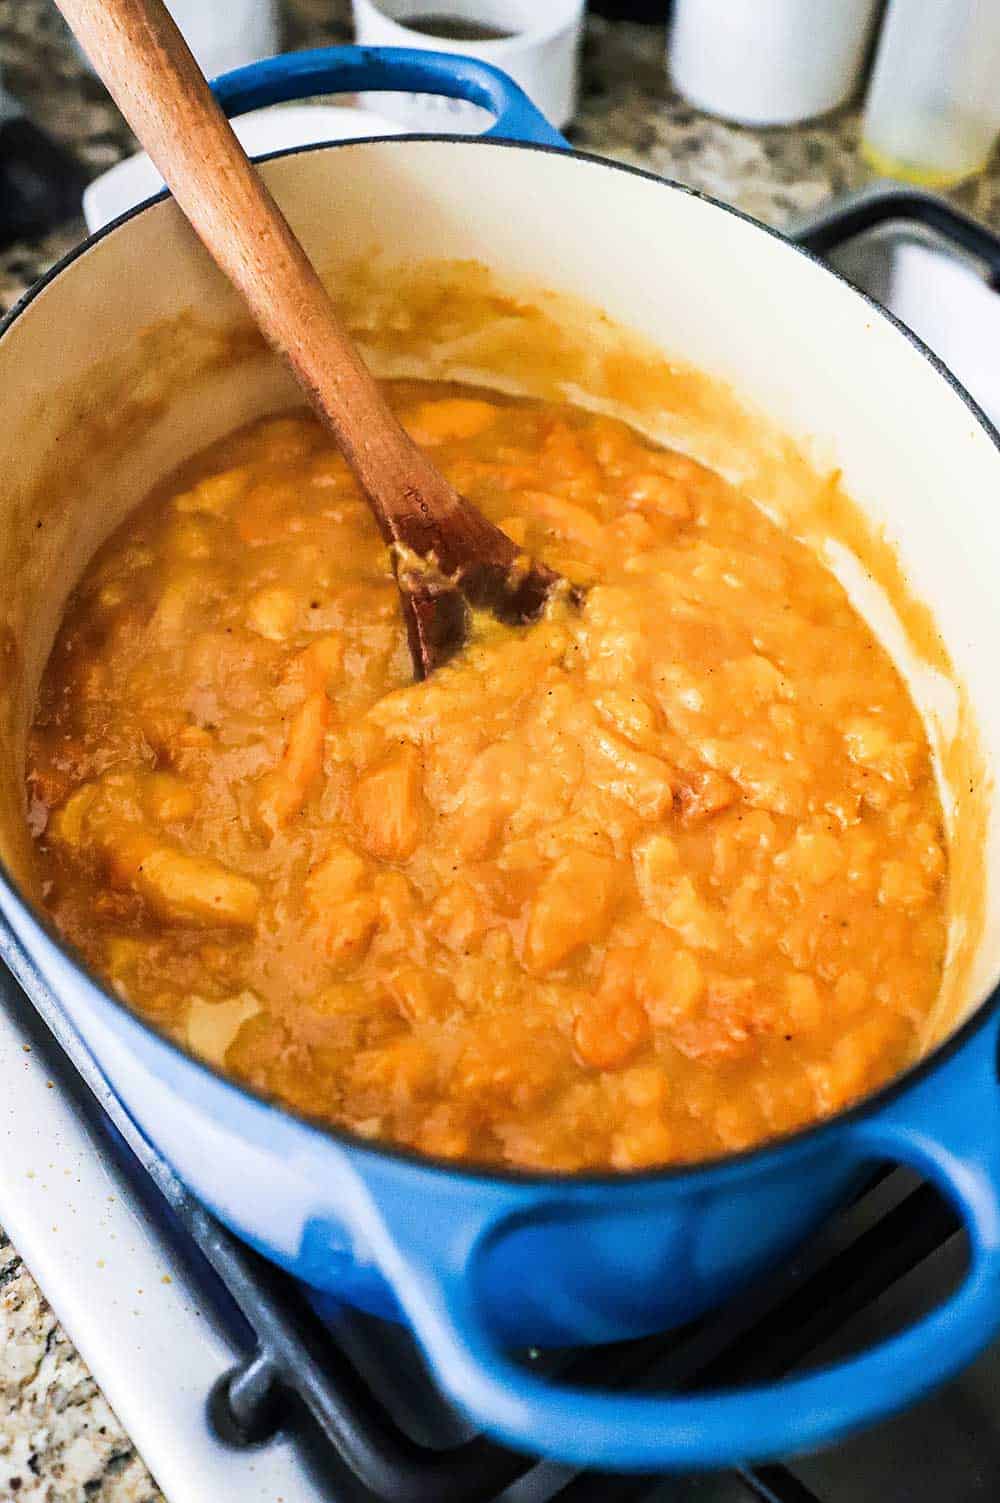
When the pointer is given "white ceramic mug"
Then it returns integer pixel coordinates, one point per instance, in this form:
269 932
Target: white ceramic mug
539 48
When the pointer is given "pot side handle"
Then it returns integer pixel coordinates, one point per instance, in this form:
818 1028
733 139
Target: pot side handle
960 1154
408 70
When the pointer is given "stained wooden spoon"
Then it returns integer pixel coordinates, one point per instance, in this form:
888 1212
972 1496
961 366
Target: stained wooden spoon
446 553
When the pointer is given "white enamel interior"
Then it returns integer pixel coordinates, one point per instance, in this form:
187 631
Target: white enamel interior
702 284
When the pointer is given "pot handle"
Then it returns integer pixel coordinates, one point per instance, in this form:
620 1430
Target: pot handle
407 70
436 1283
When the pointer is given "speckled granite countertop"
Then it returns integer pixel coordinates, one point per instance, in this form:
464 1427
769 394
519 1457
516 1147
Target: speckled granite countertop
59 1441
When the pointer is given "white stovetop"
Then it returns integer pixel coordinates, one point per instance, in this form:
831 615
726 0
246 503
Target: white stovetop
151 1343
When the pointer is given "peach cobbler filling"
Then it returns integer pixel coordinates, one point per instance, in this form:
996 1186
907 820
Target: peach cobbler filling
650 880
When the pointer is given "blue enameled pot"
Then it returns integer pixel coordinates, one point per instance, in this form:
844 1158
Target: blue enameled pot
113 368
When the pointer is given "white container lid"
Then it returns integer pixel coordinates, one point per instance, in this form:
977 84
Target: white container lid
278 128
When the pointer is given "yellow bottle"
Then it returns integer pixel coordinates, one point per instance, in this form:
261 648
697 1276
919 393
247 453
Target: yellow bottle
933 110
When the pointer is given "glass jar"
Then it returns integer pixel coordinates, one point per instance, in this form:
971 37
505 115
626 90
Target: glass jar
933 109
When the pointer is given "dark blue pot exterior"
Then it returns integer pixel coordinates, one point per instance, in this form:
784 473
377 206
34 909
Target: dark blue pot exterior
563 1269
478 1263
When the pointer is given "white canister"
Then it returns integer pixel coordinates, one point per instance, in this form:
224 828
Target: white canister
768 62
225 34
536 41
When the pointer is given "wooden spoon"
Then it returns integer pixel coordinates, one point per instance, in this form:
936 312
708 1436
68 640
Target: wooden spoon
446 553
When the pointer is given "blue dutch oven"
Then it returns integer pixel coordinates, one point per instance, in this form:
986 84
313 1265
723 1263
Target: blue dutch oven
114 368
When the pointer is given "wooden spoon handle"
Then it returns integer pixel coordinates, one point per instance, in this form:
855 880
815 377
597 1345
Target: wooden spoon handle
138 51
